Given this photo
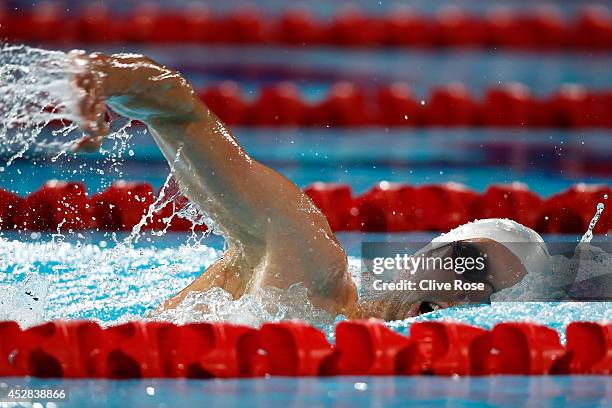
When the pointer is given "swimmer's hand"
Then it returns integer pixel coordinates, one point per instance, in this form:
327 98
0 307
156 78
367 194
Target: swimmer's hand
91 100
132 85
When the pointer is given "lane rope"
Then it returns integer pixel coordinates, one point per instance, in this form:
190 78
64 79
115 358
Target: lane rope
386 207
140 349
540 28
347 104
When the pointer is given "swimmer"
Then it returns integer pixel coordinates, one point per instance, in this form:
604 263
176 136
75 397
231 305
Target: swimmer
275 235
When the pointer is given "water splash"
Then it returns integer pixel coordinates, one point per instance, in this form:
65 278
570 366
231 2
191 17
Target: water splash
39 111
262 305
88 281
26 299
38 107
35 89
588 235
559 282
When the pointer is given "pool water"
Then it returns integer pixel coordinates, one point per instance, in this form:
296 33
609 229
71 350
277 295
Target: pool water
92 275
503 391
99 276
548 161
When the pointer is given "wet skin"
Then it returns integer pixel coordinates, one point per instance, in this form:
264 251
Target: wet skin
275 234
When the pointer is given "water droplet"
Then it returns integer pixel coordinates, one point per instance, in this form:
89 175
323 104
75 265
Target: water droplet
360 386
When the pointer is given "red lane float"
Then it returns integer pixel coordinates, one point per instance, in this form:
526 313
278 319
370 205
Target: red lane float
54 349
352 27
397 106
593 28
293 348
280 104
245 25
570 106
387 207
345 105
506 30
514 201
298 27
572 210
397 207
127 350
34 25
589 349
335 202
96 25
510 105
407 29
122 205
225 99
82 349
540 28
10 339
58 205
204 350
148 23
439 348
9 204
451 105
455 28
518 349
364 347
507 105
443 207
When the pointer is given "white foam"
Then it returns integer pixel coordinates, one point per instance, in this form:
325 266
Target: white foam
25 301
262 305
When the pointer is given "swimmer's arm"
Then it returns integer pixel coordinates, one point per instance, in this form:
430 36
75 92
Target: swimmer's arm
257 208
239 193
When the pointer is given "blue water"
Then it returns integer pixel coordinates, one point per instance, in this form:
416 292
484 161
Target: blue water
85 279
548 161
502 391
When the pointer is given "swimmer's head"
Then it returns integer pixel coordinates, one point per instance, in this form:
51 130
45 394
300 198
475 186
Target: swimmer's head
512 249
507 249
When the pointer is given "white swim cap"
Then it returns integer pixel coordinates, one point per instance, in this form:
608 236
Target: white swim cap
526 244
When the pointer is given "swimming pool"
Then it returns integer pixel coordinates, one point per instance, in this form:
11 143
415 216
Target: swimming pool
116 277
